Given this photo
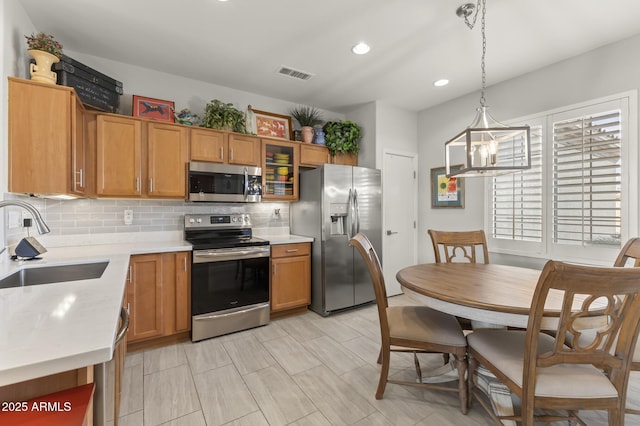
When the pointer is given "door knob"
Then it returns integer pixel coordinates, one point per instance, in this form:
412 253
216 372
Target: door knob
390 232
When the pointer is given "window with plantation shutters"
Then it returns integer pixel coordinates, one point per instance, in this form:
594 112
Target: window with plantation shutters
517 198
587 157
579 201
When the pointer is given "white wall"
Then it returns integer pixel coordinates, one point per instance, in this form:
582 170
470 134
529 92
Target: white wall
605 71
15 25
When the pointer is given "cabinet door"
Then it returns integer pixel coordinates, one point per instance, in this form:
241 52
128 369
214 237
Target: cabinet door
280 170
313 155
175 286
39 137
144 294
244 149
183 291
167 159
290 276
118 156
290 282
209 145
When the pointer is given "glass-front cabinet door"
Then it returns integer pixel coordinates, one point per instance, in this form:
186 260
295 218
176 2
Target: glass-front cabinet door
280 170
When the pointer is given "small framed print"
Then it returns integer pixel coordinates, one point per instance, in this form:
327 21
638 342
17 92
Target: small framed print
153 109
273 125
445 191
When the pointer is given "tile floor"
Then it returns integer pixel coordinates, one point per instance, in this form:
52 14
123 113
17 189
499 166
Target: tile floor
301 370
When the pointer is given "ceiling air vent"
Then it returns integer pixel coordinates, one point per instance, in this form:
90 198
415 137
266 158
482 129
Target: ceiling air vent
301 75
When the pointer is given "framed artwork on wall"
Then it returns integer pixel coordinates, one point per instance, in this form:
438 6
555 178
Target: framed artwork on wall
446 192
273 125
153 109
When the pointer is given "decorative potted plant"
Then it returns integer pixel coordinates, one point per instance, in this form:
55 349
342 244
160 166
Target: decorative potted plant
46 51
308 117
221 116
342 137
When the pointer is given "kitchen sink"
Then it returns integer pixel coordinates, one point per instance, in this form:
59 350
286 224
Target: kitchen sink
54 274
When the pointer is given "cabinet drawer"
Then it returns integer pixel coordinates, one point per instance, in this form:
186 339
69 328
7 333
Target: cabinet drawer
286 250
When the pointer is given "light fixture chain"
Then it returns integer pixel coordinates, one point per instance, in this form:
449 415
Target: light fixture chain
475 15
484 51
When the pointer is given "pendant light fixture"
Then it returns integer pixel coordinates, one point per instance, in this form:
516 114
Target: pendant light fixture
486 147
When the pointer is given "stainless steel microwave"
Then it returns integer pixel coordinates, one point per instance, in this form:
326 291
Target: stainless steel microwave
228 183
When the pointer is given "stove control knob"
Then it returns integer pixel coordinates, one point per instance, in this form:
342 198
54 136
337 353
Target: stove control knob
192 220
246 219
199 220
234 219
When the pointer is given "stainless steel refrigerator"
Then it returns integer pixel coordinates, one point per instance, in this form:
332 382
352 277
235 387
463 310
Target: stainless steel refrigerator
336 202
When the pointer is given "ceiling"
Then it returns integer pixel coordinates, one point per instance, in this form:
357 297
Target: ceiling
242 43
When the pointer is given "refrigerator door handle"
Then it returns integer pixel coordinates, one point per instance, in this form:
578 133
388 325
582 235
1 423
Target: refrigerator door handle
356 210
350 215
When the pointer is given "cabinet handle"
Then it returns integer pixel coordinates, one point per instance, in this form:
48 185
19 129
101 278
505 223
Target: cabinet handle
292 250
81 182
130 273
128 308
221 153
138 184
328 158
184 259
231 154
150 184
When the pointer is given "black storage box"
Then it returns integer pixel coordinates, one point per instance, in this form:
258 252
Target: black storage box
94 88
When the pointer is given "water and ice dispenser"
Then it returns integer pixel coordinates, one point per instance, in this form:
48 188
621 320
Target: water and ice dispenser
338 214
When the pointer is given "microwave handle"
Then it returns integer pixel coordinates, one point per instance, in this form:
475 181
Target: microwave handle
246 183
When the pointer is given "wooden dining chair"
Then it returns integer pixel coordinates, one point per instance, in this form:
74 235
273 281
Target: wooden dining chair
630 256
542 370
459 246
416 329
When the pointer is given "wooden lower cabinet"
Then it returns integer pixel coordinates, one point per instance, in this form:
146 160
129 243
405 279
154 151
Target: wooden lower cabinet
158 295
290 276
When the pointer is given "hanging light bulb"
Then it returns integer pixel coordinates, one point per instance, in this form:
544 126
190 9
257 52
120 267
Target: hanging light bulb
487 147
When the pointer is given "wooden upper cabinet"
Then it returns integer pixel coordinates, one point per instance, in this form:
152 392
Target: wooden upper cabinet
168 154
40 137
313 155
209 145
118 156
244 149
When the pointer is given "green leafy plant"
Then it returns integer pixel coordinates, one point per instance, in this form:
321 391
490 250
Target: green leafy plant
44 42
223 116
342 136
306 115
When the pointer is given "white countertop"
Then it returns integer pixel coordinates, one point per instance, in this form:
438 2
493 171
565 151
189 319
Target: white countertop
49 328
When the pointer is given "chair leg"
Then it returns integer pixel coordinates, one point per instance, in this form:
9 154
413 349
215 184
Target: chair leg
385 354
463 389
472 365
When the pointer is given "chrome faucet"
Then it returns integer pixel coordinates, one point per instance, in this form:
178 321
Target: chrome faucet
40 224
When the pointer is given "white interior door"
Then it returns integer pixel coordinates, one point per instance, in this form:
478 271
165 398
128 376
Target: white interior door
400 194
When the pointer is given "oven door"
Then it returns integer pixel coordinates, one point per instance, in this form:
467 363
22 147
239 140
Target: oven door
229 290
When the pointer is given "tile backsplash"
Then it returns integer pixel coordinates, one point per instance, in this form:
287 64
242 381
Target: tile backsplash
99 216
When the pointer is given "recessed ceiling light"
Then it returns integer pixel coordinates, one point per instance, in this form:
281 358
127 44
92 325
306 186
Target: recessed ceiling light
361 48
441 82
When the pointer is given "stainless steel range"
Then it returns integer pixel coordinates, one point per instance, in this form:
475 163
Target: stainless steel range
229 275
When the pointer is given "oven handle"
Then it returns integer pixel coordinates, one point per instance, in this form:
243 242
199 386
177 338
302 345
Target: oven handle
220 256
242 311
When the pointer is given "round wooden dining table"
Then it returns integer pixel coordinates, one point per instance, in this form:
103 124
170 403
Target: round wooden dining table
487 293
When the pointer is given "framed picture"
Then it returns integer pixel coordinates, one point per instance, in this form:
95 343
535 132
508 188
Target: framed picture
273 125
154 109
446 192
